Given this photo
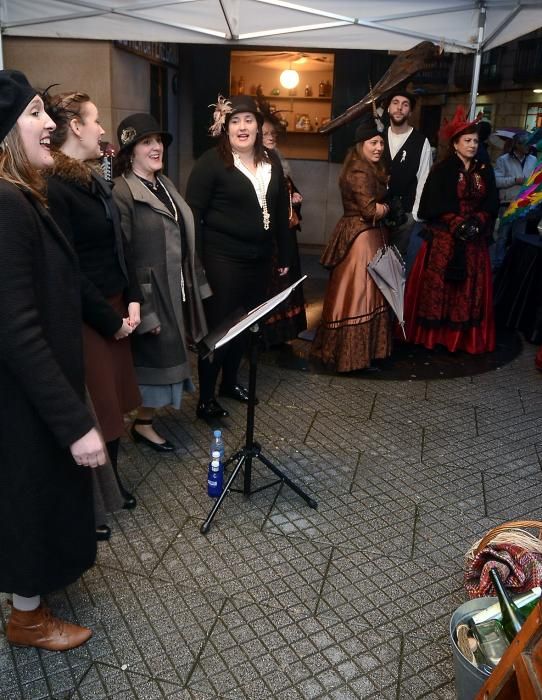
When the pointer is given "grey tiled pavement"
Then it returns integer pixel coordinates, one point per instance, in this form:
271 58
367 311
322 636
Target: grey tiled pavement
351 600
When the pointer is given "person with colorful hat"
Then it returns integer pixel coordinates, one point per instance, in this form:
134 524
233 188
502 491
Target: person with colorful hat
159 226
81 202
48 439
449 296
236 191
356 324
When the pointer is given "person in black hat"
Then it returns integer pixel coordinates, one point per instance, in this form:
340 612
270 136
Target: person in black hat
356 324
240 204
408 159
47 435
81 202
160 228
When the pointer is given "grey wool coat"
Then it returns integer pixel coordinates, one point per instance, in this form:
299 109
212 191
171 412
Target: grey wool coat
46 516
155 244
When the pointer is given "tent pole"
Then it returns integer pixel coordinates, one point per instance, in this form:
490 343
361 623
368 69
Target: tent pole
477 59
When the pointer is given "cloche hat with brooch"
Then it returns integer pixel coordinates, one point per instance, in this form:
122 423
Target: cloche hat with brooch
136 127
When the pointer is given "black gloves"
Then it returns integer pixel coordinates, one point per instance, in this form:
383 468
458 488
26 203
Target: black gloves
396 216
468 230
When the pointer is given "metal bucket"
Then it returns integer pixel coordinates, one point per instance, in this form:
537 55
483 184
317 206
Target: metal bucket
468 678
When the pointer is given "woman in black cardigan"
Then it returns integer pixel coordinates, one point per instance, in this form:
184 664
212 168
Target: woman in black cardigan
81 203
240 204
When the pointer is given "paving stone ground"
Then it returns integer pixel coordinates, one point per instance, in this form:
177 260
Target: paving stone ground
278 601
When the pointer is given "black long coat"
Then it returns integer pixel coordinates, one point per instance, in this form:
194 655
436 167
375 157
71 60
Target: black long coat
46 516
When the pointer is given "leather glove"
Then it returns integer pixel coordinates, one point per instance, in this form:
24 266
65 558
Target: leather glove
467 230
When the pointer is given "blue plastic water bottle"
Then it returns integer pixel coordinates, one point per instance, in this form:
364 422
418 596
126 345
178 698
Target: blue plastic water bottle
217 445
215 476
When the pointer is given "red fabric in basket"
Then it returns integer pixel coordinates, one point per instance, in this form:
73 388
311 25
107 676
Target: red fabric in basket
518 568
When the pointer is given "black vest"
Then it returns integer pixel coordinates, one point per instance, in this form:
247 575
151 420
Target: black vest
403 168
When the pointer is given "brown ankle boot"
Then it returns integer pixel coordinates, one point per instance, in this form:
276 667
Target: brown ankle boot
39 628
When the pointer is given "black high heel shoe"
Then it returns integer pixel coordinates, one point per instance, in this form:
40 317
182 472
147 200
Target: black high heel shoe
237 392
165 446
210 409
103 533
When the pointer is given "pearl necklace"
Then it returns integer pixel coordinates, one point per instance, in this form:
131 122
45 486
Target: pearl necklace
176 216
259 185
175 212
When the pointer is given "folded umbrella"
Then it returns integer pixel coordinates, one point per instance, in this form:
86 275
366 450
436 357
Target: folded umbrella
388 272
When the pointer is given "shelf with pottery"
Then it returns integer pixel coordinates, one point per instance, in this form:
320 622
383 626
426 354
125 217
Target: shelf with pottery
253 71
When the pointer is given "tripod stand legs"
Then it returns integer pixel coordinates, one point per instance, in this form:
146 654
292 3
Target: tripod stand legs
295 488
251 450
204 529
245 457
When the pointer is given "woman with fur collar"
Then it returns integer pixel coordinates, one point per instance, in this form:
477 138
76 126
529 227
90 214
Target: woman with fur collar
449 293
81 203
160 228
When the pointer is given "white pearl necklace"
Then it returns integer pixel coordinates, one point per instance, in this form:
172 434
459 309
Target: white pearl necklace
259 185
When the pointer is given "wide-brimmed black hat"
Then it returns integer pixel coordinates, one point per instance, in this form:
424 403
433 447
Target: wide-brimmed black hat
368 128
15 93
136 126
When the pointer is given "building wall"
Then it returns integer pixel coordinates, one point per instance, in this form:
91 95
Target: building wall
77 65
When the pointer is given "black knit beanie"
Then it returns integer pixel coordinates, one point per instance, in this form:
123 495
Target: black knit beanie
15 93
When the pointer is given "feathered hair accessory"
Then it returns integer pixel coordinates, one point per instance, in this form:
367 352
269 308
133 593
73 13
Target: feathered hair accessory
459 122
222 107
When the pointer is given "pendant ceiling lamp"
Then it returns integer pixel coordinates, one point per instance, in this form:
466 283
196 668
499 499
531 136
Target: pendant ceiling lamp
289 79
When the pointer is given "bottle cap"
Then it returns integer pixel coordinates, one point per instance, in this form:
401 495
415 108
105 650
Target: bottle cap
216 455
217 433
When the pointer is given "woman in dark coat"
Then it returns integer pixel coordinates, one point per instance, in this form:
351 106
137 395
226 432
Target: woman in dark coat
356 325
159 226
240 204
449 295
46 430
289 318
82 204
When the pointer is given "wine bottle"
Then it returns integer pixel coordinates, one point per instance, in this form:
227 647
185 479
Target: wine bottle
512 617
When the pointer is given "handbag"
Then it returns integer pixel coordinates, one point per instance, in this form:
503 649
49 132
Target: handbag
514 552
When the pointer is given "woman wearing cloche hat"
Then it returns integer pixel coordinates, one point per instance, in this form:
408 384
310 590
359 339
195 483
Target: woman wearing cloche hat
47 436
236 191
160 228
449 297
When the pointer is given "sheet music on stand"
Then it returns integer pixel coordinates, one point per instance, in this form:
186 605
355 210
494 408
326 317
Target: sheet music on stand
217 339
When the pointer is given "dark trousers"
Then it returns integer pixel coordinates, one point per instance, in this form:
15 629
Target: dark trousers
238 286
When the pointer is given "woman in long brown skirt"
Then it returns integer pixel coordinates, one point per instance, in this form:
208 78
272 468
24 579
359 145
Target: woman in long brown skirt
356 325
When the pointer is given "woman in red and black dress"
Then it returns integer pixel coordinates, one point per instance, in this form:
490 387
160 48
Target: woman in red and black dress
449 295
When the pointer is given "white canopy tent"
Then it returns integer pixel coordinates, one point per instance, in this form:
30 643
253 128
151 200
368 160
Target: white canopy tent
458 25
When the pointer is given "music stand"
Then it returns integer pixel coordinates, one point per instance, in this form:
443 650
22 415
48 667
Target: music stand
251 450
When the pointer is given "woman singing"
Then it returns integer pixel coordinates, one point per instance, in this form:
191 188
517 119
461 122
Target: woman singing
160 228
47 436
240 203
82 205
